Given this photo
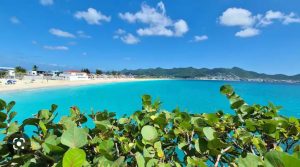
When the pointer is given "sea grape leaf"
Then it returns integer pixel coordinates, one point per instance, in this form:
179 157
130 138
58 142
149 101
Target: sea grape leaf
50 142
74 158
106 145
10 105
119 162
140 159
124 120
44 114
3 116
53 108
152 163
54 148
149 133
30 121
2 104
211 118
226 90
74 137
194 161
13 128
11 116
159 150
3 125
209 133
249 161
43 127
34 145
149 152
281 159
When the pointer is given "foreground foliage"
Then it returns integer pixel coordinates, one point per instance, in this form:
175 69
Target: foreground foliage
254 136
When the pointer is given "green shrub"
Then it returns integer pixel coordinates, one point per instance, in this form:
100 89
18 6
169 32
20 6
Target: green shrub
254 136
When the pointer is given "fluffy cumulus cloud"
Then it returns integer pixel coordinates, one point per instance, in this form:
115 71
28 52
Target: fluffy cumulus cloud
248 32
250 24
61 33
201 38
63 48
130 39
46 2
237 17
125 37
92 16
15 20
157 21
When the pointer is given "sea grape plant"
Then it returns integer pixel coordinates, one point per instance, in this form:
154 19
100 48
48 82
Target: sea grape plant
254 136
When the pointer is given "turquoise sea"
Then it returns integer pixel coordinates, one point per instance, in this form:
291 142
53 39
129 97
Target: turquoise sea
125 98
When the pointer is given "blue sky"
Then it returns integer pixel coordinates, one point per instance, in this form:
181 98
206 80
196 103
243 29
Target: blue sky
118 34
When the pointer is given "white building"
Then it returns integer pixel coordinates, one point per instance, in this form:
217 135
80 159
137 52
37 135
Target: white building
33 73
75 75
10 71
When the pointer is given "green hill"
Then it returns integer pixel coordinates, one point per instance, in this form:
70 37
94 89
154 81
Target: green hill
234 73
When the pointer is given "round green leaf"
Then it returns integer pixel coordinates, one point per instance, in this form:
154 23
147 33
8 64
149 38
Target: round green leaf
149 133
74 158
209 133
249 161
74 137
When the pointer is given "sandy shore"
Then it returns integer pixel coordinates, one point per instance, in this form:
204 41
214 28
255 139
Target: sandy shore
38 84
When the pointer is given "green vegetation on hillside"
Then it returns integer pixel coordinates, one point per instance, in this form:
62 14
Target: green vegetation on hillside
190 72
254 136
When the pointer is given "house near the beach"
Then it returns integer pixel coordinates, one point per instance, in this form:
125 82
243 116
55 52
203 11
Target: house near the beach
36 73
54 73
10 72
74 75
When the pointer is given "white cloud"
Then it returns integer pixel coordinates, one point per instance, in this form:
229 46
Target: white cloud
248 32
82 34
127 38
181 27
130 39
272 16
61 33
250 24
15 20
64 48
158 23
46 2
237 17
291 18
92 16
200 38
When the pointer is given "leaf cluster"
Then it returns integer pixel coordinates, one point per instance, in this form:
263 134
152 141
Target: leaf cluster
254 136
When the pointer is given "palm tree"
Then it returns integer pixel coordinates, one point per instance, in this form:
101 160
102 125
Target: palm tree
20 70
98 72
86 70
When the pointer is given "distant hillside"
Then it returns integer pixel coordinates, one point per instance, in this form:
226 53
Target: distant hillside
234 73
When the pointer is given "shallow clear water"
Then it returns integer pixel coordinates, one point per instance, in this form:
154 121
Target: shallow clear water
125 98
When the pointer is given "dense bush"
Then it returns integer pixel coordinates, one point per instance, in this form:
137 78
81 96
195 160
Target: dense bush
254 136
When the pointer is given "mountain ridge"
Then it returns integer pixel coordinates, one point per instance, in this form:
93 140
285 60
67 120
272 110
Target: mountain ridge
234 73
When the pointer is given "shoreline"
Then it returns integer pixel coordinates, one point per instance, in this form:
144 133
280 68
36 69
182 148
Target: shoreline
24 85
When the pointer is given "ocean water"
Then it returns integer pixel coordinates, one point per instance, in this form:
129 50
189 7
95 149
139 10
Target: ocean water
125 98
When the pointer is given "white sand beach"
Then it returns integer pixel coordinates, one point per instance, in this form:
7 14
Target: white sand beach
38 84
